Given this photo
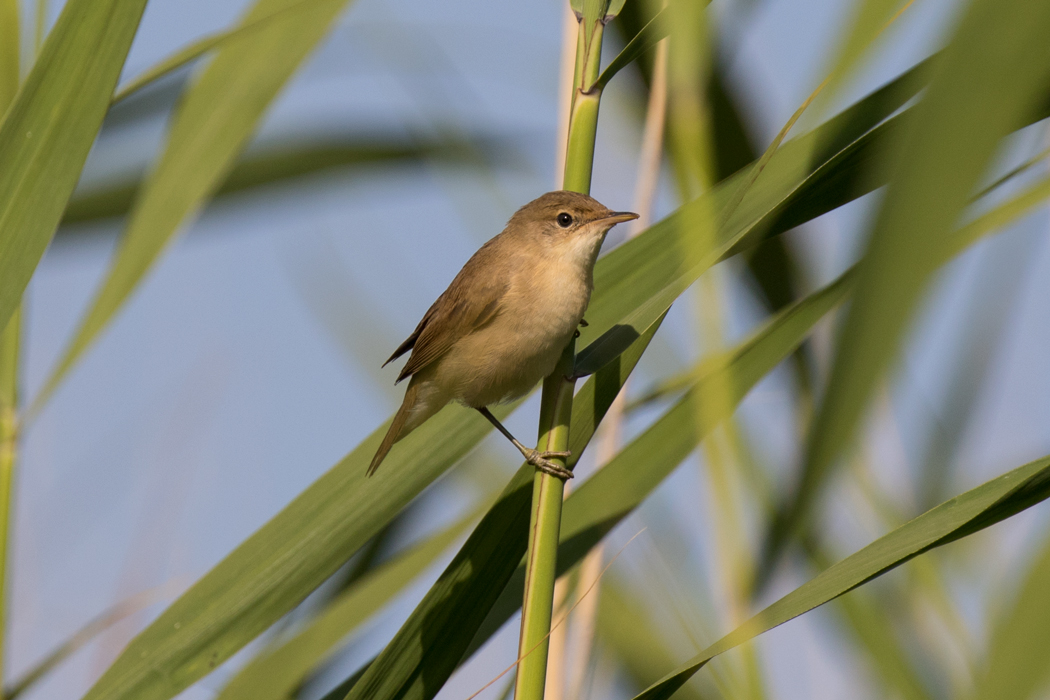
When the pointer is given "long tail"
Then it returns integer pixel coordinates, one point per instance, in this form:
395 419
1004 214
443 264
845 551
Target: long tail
396 428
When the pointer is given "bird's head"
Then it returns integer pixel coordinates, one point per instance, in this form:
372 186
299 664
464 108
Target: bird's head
567 222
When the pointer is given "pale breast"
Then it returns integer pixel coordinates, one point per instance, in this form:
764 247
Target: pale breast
510 355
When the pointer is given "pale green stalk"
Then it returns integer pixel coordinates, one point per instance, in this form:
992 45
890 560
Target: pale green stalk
556 404
9 344
692 134
557 657
40 26
9 53
10 337
585 616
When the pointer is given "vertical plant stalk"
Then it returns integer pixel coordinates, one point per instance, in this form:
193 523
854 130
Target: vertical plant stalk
584 618
9 345
554 685
9 53
556 403
691 131
40 25
10 338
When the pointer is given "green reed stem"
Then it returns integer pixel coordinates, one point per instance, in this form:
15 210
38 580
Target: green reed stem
556 404
9 346
10 337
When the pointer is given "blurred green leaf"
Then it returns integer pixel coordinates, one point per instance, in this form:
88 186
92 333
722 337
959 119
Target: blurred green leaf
992 76
872 628
215 119
770 263
10 49
277 567
1019 648
275 165
992 294
867 22
82 638
645 39
627 629
211 42
960 517
610 495
615 6
598 9
276 672
49 129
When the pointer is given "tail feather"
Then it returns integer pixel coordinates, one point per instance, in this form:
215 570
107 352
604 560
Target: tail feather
397 428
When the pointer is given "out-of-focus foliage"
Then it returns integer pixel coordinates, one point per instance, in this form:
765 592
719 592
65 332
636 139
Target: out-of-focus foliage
992 76
930 139
49 128
214 120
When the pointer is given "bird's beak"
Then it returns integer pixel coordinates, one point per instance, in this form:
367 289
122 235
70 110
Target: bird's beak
618 217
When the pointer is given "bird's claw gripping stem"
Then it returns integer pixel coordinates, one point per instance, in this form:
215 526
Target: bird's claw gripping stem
541 460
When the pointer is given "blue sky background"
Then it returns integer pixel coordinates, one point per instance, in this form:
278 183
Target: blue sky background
247 364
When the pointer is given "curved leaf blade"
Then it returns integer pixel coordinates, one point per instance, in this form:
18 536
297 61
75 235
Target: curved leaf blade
10 53
270 167
960 517
650 35
1019 647
49 129
274 674
215 119
277 567
198 48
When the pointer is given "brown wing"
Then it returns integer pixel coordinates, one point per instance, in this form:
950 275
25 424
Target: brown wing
472 300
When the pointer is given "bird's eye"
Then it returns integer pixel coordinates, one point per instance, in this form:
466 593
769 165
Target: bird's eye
565 220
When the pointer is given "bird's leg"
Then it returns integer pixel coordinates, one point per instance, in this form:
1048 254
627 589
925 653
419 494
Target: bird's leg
540 460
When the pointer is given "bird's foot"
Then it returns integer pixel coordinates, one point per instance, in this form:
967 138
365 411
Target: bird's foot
541 460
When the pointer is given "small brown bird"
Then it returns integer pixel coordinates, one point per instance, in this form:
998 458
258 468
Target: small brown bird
502 324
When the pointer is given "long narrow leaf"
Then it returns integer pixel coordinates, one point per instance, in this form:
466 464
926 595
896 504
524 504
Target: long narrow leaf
626 627
649 36
215 119
273 166
209 43
869 19
960 517
277 567
47 132
1017 665
10 49
274 674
